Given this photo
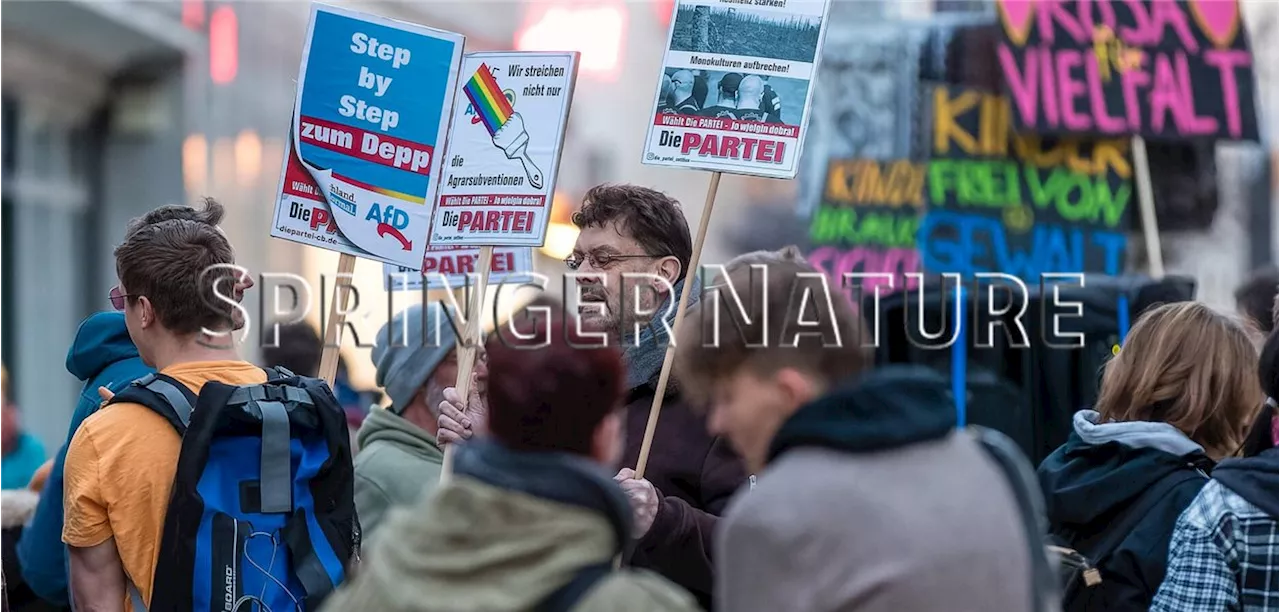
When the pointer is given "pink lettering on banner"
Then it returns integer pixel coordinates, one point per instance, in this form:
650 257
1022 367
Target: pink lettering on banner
1226 61
836 262
1156 68
1220 21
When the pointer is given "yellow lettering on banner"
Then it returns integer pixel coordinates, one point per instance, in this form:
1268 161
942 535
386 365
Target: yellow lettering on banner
1107 155
864 181
945 128
994 136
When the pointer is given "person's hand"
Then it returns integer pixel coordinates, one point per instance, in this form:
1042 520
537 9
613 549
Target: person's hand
457 422
105 394
643 497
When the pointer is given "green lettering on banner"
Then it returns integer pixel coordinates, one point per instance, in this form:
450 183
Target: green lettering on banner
1019 203
855 227
975 182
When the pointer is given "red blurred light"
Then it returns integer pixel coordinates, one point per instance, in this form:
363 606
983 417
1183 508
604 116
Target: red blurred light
596 29
224 45
193 14
663 9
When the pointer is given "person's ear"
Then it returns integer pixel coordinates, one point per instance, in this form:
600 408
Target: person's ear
795 388
669 268
146 312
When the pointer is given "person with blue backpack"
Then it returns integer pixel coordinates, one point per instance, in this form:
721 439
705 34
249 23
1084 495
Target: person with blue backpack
102 356
212 484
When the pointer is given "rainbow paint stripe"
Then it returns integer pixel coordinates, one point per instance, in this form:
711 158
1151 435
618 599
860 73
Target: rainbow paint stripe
486 97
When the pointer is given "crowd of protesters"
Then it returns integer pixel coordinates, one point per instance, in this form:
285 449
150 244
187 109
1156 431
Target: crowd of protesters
794 475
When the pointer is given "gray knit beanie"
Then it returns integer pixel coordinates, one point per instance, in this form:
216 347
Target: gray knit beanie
409 349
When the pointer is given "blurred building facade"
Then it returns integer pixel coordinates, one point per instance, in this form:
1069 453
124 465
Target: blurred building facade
113 108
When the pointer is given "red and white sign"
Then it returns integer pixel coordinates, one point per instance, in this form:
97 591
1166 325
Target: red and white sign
449 267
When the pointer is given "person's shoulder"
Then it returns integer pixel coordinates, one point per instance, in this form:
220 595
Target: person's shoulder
1215 505
636 590
121 421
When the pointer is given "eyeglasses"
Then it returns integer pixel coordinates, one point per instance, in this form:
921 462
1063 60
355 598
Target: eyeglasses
600 261
117 297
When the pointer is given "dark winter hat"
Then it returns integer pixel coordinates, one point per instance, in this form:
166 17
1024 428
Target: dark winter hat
409 349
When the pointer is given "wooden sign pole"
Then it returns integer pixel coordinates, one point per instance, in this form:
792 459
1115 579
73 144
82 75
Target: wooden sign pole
1147 206
468 345
689 276
337 319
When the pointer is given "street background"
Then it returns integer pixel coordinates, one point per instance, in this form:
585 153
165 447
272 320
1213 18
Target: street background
113 108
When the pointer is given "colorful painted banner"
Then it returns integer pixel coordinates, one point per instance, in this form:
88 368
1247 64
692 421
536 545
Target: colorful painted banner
504 149
867 222
734 90
1020 204
1156 68
373 104
448 268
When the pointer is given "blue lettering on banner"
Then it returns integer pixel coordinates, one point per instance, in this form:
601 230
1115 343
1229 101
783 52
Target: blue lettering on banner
389 215
958 242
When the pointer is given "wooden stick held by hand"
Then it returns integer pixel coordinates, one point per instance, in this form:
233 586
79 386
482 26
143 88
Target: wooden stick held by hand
689 275
337 319
467 347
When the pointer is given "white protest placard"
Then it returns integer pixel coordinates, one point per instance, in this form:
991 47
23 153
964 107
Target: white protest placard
735 86
372 110
504 149
448 268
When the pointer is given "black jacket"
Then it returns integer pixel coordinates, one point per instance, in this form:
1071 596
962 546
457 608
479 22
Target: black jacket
1090 481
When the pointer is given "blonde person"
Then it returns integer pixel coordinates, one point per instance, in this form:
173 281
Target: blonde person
1175 400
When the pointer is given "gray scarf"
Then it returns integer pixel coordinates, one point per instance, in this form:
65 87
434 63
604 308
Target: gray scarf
644 358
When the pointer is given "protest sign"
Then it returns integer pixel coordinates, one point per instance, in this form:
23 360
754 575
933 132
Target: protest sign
867 222
373 102
504 149
448 268
1155 69
1020 204
734 91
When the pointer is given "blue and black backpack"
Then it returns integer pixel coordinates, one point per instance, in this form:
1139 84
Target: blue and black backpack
261 517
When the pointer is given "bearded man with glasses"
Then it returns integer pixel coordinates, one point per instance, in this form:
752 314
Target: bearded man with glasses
633 250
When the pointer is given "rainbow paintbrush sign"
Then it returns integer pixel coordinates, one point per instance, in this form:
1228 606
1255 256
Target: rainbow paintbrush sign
504 124
486 98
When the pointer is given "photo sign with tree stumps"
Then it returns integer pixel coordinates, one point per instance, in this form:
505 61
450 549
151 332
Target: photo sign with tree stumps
735 87
1159 69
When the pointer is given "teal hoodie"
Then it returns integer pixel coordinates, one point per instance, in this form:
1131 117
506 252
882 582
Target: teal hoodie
102 355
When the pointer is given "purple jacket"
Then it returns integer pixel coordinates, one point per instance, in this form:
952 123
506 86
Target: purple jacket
695 475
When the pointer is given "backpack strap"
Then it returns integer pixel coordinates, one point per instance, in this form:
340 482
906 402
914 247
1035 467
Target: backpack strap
1139 509
162 394
1026 491
566 597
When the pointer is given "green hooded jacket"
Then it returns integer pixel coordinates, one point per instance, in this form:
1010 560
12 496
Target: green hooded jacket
483 546
398 461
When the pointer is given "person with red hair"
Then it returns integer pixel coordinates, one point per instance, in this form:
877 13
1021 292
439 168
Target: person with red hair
531 518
